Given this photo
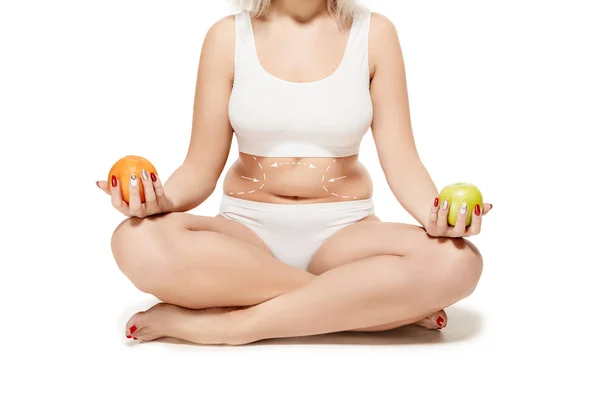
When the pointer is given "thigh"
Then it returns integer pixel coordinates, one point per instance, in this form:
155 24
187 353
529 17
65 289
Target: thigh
199 262
165 225
368 238
225 226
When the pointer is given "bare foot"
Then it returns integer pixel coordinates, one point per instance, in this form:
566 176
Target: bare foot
437 320
208 326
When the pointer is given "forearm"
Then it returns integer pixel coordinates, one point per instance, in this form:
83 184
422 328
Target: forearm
413 188
187 187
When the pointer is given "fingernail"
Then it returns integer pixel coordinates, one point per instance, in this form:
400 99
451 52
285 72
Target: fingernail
445 204
128 337
440 321
133 180
491 206
463 208
144 175
98 183
113 180
435 202
132 329
153 176
477 209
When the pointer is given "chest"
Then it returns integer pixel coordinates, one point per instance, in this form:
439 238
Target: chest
272 105
301 57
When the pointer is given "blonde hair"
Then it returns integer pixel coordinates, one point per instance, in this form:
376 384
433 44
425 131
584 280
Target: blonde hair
344 10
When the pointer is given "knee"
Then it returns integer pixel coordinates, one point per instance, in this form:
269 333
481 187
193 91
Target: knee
463 266
139 250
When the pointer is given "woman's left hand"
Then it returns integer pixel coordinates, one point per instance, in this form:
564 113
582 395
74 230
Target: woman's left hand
438 221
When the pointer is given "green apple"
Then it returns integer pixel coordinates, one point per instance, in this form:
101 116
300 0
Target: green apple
457 194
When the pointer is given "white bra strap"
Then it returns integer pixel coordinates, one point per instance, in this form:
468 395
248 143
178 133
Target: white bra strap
245 49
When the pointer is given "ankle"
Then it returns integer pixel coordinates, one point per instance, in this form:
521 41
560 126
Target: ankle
241 328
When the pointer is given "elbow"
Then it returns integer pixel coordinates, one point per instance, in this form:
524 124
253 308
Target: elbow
202 192
205 188
208 188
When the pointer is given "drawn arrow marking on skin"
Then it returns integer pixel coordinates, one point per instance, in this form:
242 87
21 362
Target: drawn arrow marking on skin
254 180
332 180
277 164
310 165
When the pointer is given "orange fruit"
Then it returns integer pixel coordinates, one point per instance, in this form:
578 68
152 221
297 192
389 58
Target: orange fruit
124 168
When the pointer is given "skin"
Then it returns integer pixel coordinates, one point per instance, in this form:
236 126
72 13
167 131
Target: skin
219 282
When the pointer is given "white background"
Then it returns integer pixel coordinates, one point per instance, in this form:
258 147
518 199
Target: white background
503 94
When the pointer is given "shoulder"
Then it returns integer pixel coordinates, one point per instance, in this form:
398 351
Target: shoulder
382 28
218 48
384 43
219 43
222 31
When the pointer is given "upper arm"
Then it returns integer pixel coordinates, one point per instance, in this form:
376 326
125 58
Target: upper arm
391 126
211 131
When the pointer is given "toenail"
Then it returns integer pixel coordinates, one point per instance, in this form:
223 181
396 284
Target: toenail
440 321
135 338
132 329
128 337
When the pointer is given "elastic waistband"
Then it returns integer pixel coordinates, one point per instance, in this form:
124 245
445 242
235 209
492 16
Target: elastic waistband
290 208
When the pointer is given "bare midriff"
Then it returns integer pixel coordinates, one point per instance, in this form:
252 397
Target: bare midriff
298 179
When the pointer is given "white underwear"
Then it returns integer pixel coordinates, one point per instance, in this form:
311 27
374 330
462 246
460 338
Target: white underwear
294 232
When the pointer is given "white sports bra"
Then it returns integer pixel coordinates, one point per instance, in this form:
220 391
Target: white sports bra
272 117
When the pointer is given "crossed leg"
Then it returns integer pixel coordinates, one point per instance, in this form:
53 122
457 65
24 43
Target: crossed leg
361 241
370 276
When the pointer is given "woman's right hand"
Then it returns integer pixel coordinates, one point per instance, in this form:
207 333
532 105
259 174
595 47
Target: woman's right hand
156 200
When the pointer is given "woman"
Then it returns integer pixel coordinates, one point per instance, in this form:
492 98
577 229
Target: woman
296 248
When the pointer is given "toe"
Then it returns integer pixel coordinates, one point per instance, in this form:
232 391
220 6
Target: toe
441 319
437 320
141 334
134 325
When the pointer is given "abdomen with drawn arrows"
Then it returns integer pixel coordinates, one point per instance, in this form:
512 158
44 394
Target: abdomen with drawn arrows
282 180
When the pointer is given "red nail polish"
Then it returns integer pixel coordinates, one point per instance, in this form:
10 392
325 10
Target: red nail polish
113 180
436 202
135 338
477 210
440 321
132 329
128 337
98 183
153 176
491 205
